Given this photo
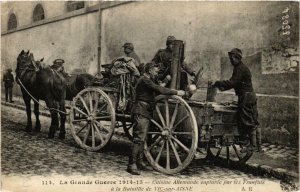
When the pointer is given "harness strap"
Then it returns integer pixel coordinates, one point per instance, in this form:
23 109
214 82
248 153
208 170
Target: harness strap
35 100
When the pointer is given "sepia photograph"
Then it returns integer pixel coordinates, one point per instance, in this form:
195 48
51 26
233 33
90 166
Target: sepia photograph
149 96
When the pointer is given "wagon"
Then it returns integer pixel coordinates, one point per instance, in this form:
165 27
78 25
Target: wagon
180 128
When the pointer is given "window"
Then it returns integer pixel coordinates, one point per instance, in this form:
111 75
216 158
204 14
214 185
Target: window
38 13
74 5
12 22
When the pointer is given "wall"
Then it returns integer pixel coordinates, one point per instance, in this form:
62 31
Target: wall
274 84
210 30
24 10
73 39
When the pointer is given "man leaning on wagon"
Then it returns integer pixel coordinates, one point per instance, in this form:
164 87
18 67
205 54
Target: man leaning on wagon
146 90
247 106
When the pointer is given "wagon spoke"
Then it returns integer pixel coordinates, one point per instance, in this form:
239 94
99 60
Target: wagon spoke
168 156
86 135
96 104
180 121
167 113
82 128
93 136
181 144
175 152
227 154
91 101
219 151
160 152
158 125
160 116
155 143
100 136
84 104
236 151
83 113
174 115
102 107
101 126
182 133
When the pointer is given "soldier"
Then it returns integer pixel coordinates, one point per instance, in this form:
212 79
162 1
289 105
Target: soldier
129 52
247 110
164 57
142 111
58 65
8 80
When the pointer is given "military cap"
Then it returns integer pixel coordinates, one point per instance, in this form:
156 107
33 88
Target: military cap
150 65
237 52
128 45
58 61
170 39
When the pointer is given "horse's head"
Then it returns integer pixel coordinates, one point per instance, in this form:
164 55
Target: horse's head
23 57
23 61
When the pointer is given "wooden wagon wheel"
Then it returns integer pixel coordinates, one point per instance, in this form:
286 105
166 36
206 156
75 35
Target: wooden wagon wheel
92 119
229 154
173 136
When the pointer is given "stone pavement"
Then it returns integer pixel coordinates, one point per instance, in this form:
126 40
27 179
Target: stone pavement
34 154
278 161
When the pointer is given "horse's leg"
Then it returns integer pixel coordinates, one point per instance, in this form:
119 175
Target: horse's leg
54 117
27 99
37 112
62 114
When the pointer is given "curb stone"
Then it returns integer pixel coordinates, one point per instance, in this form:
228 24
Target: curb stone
278 173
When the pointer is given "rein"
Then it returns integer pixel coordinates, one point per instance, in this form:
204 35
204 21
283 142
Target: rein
35 100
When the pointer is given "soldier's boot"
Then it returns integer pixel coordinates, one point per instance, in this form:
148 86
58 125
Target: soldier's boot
132 167
143 166
252 146
258 139
140 161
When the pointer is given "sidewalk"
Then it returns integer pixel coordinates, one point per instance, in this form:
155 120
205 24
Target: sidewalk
277 161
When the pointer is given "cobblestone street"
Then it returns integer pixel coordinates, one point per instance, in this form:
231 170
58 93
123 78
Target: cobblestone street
30 154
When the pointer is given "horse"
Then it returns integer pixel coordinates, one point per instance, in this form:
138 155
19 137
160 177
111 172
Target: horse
39 83
76 83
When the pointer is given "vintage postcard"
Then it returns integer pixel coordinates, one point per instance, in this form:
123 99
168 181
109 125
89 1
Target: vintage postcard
149 96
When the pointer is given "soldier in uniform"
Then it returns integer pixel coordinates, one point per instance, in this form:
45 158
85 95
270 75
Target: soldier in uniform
146 90
129 52
58 65
247 107
164 58
8 80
